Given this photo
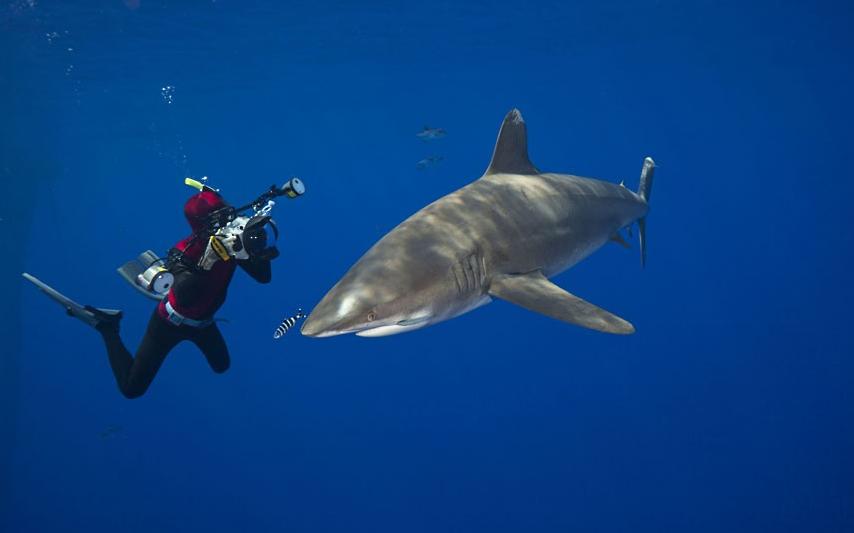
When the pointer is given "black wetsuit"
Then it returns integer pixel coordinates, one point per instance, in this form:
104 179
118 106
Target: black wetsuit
135 373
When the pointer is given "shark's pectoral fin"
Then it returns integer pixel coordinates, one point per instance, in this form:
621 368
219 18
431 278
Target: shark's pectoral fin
535 292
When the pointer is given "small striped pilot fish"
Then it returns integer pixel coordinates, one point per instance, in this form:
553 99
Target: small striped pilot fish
288 323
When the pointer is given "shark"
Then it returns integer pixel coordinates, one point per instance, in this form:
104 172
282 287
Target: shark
431 134
429 161
501 236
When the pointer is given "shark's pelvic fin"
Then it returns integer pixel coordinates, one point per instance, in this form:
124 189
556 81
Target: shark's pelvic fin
511 149
535 292
617 238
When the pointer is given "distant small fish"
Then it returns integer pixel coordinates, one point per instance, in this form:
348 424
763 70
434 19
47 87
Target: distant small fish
431 134
428 162
111 431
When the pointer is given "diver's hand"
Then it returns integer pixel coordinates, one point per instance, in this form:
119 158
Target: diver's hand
258 268
234 246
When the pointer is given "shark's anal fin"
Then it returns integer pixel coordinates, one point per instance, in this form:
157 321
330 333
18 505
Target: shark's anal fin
511 149
535 292
617 238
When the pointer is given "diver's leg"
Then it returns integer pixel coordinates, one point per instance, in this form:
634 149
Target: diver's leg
135 374
212 344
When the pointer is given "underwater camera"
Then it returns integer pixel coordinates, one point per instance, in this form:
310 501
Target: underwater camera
233 235
243 238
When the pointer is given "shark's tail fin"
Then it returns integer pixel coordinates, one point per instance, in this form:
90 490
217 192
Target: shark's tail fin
645 191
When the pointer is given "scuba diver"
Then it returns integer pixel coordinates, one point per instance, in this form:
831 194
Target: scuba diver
190 285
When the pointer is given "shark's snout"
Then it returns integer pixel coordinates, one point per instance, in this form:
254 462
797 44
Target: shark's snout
337 313
311 328
323 322
317 325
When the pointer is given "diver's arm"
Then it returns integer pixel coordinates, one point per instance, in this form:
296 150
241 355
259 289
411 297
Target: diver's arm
188 284
259 269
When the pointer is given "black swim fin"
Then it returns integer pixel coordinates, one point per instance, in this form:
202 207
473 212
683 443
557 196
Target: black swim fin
103 318
93 316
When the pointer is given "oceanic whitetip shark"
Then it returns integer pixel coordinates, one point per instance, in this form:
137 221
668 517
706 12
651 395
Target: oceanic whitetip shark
502 236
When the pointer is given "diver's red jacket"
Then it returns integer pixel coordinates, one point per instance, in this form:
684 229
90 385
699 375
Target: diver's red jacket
198 293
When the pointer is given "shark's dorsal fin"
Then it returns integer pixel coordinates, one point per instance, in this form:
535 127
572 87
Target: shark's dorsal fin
535 292
511 149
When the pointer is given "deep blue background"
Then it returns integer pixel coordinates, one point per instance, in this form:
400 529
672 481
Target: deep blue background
730 409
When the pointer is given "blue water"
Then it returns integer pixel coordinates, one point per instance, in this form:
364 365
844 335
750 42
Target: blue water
730 409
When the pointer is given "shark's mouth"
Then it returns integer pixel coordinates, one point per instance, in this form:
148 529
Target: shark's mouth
401 326
392 329
380 330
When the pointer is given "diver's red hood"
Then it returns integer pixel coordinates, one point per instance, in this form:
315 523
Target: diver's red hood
199 206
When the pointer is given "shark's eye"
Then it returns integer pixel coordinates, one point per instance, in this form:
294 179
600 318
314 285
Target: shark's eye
372 316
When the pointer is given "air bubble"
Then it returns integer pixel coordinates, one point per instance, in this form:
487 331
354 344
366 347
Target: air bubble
168 93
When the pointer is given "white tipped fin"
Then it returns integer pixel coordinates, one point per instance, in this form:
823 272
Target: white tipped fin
535 292
511 149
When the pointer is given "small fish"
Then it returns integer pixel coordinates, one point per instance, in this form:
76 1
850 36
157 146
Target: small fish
111 431
288 323
428 162
431 134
